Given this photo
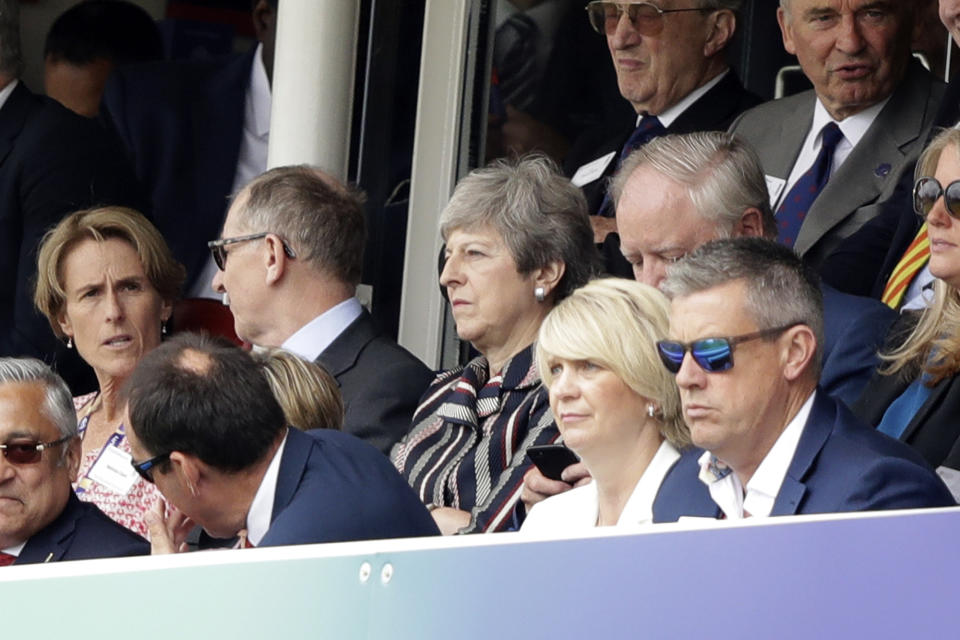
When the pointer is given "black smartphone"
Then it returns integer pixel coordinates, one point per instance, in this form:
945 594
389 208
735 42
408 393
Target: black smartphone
552 459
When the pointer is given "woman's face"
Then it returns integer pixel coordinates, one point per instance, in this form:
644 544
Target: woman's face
493 305
112 311
944 230
596 412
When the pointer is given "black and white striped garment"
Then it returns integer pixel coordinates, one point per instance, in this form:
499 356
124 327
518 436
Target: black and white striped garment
467 447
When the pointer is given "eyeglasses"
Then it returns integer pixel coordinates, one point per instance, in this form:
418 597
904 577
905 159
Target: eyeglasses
927 191
219 251
145 468
712 354
28 452
646 18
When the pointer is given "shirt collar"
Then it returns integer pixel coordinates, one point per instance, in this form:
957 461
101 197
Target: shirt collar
669 115
261 509
258 99
6 91
853 127
639 506
315 336
18 549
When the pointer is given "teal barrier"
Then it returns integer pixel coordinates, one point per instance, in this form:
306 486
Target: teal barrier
882 575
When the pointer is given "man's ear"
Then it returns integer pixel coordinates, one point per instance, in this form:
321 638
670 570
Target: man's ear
275 259
71 458
786 30
723 24
799 348
750 224
264 18
188 469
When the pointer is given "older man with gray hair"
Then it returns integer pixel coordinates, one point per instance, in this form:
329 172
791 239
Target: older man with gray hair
52 162
290 258
745 329
41 520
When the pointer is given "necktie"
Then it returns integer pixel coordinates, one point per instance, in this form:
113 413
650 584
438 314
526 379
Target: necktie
649 128
910 264
515 59
6 559
798 200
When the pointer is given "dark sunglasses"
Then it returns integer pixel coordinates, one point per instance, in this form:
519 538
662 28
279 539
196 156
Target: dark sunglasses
28 452
646 18
145 468
927 191
712 354
219 247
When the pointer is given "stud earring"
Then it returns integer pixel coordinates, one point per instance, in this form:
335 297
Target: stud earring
69 342
540 294
163 328
651 411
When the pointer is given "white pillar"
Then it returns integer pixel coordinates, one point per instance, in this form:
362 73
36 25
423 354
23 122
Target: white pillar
313 74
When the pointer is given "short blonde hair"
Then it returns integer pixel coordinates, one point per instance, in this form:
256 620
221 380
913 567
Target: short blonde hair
307 393
616 323
162 270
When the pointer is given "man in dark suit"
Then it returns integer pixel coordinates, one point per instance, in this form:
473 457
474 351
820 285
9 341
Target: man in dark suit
292 285
205 427
52 162
671 67
833 155
196 131
745 330
41 520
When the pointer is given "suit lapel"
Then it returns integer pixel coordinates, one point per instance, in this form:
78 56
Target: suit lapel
923 414
13 116
780 156
815 433
343 352
861 180
50 543
293 463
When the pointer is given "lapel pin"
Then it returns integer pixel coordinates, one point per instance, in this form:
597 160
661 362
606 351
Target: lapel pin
882 170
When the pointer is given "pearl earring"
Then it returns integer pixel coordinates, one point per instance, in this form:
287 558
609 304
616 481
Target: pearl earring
69 342
651 411
540 294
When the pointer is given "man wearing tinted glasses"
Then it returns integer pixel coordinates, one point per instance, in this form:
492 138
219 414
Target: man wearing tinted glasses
746 325
41 520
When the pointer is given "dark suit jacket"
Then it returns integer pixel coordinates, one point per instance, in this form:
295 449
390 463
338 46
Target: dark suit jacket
868 177
81 532
854 330
333 487
381 382
52 162
840 465
182 123
714 111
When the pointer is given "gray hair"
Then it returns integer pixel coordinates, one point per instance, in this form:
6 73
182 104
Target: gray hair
781 289
538 212
58 403
721 172
320 218
11 60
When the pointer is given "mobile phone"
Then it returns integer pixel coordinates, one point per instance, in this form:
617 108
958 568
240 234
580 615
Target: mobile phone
552 459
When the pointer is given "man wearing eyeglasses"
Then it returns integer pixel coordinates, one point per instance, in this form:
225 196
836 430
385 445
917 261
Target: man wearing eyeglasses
41 520
834 155
669 56
745 332
290 258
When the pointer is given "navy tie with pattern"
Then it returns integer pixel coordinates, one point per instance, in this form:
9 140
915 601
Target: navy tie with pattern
649 128
793 210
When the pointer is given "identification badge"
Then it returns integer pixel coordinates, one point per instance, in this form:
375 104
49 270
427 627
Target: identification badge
951 478
592 170
114 471
774 188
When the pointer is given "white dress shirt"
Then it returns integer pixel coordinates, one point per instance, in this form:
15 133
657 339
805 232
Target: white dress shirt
261 509
17 550
252 160
5 94
578 509
315 336
669 115
853 129
763 487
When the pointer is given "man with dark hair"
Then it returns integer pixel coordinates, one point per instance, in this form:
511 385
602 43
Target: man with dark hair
41 520
52 162
745 332
290 256
197 132
87 41
205 427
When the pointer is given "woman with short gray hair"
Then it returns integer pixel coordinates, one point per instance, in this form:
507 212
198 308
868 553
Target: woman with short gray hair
518 240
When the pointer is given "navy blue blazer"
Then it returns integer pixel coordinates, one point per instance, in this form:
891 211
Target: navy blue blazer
840 465
182 124
854 329
81 532
333 487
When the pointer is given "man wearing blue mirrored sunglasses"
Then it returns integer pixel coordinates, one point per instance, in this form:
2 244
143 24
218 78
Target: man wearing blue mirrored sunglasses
745 332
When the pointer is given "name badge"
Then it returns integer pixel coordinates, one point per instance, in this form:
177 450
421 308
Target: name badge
951 478
775 189
592 170
114 471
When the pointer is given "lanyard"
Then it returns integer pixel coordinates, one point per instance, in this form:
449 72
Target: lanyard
115 439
